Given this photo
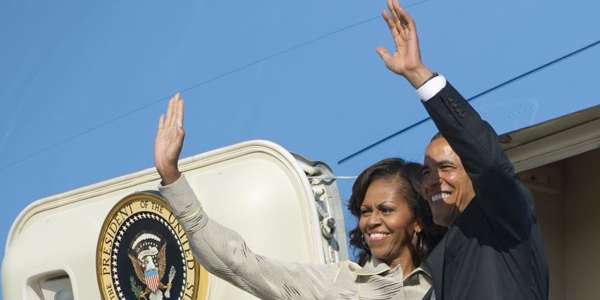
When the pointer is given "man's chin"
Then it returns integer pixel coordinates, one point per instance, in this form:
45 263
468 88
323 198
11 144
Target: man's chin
444 219
441 222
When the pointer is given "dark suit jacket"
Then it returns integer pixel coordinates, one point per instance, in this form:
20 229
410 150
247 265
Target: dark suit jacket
494 249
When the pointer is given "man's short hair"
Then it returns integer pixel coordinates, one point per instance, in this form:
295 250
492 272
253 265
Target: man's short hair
437 135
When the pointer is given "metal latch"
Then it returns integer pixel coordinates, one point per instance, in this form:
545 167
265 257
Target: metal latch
328 227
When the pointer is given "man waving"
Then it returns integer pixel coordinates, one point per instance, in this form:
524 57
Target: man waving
493 248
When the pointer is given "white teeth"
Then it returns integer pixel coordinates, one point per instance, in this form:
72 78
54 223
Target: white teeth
439 196
377 235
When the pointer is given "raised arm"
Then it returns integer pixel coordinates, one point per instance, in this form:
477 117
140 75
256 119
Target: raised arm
218 249
470 137
224 253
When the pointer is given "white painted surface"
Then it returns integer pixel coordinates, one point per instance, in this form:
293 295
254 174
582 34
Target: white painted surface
256 188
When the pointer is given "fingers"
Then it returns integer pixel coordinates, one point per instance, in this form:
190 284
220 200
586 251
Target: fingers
161 122
405 19
393 29
392 9
174 115
170 111
175 101
401 20
179 111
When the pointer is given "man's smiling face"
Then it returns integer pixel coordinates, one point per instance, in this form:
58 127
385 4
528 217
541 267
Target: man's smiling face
446 185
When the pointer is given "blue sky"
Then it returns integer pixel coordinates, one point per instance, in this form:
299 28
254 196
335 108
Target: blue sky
83 83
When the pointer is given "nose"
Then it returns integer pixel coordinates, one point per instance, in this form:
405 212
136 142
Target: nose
432 184
433 179
374 219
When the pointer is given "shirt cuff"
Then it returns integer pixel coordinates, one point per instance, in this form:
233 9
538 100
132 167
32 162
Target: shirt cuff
180 197
431 88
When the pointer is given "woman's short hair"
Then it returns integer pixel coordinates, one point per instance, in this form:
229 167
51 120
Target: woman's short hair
408 176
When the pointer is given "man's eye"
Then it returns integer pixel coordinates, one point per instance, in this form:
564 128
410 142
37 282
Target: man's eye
424 172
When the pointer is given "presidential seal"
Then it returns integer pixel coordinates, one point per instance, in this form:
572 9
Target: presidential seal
144 253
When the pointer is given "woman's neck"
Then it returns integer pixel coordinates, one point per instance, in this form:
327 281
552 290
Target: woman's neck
404 261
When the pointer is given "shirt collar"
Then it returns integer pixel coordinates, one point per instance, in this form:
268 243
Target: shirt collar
376 266
413 278
373 266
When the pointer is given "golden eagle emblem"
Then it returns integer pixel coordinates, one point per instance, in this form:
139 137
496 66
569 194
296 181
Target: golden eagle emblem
148 256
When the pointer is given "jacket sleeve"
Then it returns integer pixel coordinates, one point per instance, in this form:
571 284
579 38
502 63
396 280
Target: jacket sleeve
505 200
223 252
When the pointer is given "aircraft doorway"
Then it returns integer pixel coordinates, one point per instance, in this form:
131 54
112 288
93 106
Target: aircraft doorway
559 161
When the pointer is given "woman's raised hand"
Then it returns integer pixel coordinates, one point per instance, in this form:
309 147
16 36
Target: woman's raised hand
406 60
169 141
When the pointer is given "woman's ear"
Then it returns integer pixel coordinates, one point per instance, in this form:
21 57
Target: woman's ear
418 228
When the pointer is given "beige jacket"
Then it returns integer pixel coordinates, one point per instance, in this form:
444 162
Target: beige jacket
224 253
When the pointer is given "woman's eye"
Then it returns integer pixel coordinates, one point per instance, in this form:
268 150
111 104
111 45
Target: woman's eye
364 212
386 210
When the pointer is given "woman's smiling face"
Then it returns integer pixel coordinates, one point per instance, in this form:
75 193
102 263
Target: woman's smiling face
386 221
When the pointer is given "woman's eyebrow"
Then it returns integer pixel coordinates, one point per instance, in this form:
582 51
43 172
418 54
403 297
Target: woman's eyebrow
385 202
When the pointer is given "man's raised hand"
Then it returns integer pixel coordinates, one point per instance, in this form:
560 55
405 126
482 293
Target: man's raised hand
406 60
169 141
